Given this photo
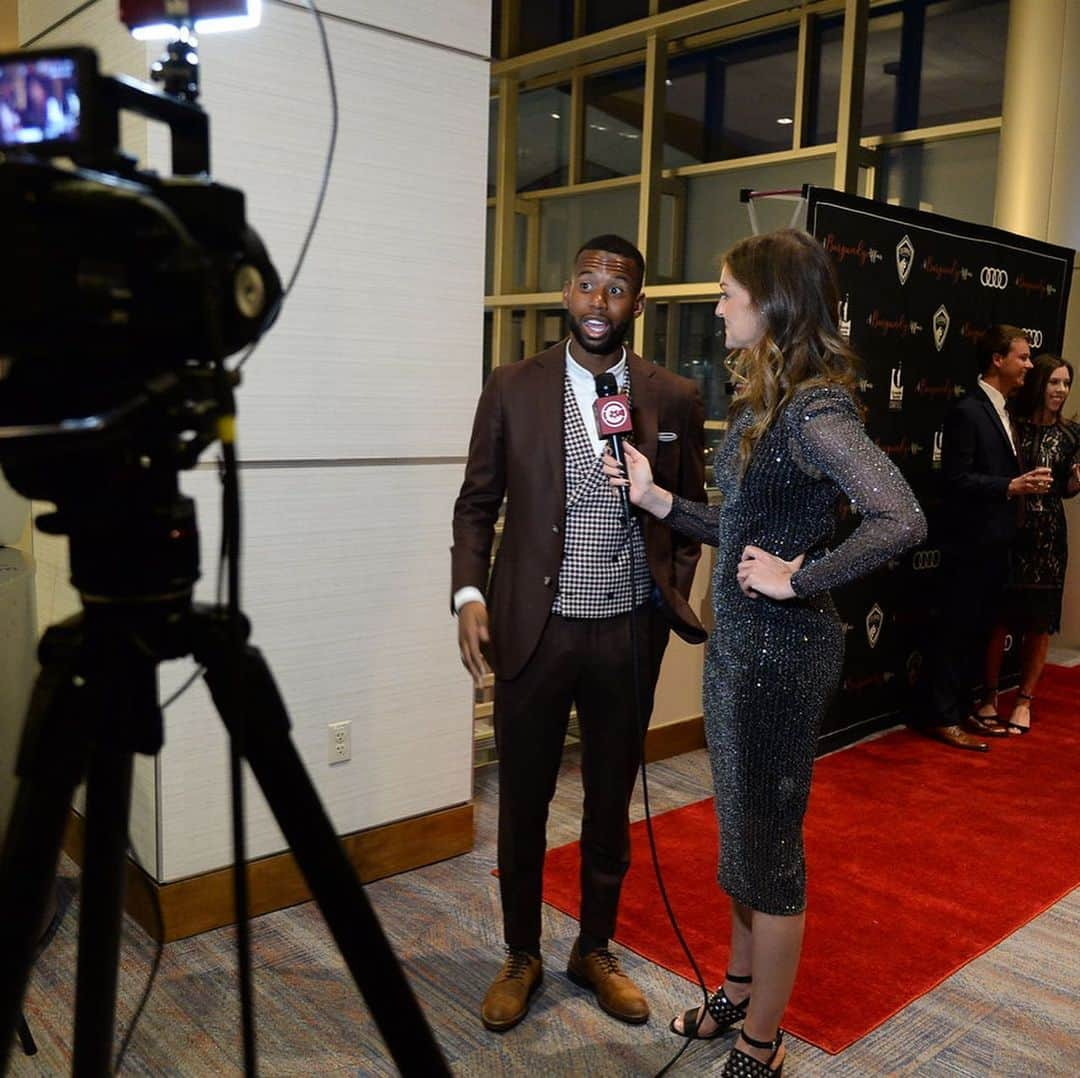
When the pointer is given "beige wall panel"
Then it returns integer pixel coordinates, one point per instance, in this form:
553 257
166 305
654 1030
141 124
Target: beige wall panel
378 352
346 580
457 24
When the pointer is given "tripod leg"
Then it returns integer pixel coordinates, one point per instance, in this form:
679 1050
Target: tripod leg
108 796
242 686
52 759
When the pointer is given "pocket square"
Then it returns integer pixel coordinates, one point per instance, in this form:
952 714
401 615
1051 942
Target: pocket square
667 436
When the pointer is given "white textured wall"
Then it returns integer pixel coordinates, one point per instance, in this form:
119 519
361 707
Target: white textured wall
355 410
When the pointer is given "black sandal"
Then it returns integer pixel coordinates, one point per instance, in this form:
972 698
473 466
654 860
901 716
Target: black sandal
741 1065
1014 729
722 1011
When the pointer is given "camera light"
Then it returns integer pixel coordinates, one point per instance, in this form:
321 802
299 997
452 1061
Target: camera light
144 17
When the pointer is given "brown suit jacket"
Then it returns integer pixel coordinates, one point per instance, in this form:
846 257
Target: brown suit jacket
517 451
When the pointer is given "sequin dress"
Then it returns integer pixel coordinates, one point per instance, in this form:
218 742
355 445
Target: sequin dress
772 667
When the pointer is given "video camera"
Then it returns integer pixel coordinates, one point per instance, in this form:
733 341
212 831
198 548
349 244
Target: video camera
125 291
124 288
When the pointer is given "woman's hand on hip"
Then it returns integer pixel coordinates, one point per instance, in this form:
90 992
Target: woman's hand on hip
762 573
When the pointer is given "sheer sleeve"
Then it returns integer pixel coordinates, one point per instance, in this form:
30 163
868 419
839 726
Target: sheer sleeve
828 437
694 520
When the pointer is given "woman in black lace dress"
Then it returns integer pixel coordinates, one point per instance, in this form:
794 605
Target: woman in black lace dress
1045 438
795 444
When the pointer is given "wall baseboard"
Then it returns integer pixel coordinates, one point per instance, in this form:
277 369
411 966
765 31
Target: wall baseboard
674 738
204 902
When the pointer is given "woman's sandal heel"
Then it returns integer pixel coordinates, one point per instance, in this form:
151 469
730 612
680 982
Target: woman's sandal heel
741 1065
1015 728
722 1011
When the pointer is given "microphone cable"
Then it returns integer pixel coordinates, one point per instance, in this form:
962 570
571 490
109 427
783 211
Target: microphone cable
641 731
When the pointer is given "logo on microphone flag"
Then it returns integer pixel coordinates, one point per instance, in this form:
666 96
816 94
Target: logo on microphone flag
613 415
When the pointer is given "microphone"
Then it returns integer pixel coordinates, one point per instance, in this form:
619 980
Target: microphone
612 410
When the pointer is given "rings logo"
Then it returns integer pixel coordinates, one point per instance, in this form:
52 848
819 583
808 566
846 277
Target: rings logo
926 559
840 250
875 621
941 322
1035 336
954 272
1044 288
992 277
905 256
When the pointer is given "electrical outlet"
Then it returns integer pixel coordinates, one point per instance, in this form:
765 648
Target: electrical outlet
339 748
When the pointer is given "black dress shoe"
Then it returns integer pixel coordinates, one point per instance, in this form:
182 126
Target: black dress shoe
956 736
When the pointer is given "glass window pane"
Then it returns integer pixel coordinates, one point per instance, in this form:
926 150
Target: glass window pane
715 218
686 341
543 24
566 223
489 259
729 101
614 110
882 74
963 68
956 177
603 14
543 138
826 96
493 144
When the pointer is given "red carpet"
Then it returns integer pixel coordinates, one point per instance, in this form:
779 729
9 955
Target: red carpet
920 858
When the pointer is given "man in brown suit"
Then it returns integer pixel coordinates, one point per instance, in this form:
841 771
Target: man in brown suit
569 590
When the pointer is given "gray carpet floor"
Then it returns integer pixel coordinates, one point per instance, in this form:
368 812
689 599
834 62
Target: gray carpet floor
1012 1012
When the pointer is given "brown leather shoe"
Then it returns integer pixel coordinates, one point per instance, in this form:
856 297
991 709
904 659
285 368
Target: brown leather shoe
615 992
507 1000
959 738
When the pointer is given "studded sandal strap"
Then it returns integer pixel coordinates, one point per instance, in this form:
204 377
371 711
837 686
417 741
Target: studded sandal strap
723 1011
741 1065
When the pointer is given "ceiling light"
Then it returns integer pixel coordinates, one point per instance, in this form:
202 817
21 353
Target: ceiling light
785 120
556 116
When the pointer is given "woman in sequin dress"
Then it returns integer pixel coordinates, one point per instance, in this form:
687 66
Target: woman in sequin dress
794 446
1040 551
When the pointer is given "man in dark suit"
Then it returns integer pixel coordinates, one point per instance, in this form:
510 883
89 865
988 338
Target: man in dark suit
984 487
568 589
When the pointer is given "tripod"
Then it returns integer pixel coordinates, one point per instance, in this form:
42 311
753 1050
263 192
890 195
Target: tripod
93 706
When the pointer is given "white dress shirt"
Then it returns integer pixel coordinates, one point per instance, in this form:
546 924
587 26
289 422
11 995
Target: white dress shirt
997 399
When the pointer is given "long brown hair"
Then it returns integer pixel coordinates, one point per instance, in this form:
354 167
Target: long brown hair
1030 398
792 283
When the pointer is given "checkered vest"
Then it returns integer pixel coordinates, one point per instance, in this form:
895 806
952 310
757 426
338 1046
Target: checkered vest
594 581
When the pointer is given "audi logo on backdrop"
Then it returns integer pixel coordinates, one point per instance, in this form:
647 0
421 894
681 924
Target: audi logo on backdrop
992 277
1035 336
926 559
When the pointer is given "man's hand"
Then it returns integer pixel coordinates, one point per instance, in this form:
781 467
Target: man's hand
1037 481
473 634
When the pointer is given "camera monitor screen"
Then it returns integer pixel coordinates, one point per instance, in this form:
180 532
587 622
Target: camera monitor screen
41 100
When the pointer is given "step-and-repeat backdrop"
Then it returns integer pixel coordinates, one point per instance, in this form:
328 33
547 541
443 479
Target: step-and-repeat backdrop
918 292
